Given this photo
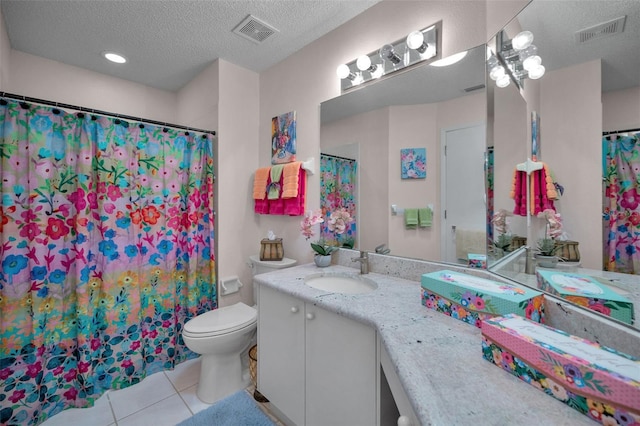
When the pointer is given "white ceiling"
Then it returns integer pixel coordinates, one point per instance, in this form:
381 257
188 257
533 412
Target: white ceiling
168 42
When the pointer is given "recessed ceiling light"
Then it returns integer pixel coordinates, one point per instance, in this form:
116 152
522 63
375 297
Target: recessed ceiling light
114 57
449 60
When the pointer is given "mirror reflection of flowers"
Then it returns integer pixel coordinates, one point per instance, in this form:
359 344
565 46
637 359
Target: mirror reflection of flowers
501 226
553 229
306 228
339 222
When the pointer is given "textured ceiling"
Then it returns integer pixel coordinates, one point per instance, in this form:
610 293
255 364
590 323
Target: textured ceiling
168 42
554 24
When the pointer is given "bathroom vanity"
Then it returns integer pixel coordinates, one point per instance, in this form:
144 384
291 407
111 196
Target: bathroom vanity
380 355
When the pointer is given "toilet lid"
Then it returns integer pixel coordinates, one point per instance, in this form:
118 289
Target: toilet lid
222 320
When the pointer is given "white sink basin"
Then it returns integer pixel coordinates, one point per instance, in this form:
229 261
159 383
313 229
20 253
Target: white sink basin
341 283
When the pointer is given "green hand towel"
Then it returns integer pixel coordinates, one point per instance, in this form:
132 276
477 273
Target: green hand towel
274 187
410 218
425 216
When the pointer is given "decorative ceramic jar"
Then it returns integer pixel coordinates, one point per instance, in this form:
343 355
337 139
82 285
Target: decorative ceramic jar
322 261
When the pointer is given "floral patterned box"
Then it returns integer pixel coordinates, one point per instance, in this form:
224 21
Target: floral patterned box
586 291
473 299
477 261
595 380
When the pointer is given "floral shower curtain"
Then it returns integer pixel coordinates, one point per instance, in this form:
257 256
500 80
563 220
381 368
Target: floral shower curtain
338 178
621 157
106 247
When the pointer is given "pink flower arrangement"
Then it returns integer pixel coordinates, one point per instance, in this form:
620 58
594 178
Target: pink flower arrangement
306 226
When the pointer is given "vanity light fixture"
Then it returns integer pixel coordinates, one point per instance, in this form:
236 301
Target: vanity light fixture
388 53
364 64
417 47
516 59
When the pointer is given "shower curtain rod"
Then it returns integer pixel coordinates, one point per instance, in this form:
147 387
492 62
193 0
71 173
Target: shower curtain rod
338 157
620 131
97 111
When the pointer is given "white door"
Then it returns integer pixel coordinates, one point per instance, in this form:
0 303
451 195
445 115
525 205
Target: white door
463 192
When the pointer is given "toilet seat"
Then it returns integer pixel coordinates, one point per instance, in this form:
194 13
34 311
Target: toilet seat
221 321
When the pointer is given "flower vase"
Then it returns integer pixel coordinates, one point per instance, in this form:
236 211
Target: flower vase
546 261
322 261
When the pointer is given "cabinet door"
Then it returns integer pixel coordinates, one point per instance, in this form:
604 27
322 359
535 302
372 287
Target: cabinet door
281 352
341 370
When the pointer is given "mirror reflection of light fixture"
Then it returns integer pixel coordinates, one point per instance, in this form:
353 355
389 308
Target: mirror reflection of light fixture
516 59
449 60
418 46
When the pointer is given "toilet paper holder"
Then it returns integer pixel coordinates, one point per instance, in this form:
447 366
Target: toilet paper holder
230 285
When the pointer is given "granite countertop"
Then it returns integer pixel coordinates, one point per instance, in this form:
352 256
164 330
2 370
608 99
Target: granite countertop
438 359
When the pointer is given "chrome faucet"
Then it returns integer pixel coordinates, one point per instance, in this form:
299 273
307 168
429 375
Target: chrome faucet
364 262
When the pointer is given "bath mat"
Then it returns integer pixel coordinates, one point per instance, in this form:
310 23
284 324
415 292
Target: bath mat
238 409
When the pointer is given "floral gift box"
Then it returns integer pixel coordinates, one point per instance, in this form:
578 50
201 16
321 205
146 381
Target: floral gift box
588 292
595 380
473 299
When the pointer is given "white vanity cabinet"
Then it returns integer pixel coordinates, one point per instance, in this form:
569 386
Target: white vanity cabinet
316 367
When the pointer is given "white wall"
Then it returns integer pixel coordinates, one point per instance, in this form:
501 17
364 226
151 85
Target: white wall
237 231
571 145
5 50
42 78
621 109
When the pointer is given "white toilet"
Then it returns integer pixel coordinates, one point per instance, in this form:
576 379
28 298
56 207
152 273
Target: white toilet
222 336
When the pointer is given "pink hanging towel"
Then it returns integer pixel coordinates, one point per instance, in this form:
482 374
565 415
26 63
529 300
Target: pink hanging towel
295 206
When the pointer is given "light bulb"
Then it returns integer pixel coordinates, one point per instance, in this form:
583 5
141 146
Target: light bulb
378 72
532 62
496 72
503 81
387 52
363 63
529 51
536 72
415 40
522 40
343 71
358 79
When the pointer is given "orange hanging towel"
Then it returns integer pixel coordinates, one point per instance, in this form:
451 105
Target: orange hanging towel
260 183
290 179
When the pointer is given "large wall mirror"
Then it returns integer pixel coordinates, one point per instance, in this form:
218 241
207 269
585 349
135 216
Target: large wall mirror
426 107
591 86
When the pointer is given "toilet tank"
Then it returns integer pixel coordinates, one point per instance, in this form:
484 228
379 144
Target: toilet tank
261 266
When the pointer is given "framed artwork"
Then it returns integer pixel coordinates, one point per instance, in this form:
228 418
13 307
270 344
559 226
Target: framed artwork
413 163
283 138
535 136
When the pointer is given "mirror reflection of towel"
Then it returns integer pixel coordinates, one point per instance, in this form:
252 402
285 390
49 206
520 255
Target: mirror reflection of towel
410 218
470 241
424 217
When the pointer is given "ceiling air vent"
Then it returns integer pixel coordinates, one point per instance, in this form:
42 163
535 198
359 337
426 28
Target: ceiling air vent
254 29
615 26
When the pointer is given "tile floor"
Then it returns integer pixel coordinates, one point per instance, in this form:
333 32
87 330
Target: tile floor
162 399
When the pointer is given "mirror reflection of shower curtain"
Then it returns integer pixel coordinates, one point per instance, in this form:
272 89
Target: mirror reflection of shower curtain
621 177
338 189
